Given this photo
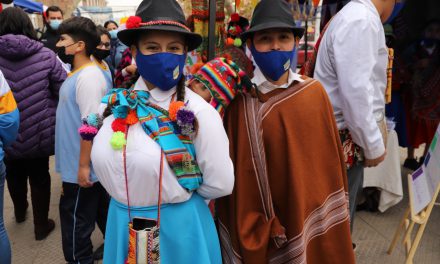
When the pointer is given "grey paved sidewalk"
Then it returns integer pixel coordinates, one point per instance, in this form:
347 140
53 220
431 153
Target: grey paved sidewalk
372 233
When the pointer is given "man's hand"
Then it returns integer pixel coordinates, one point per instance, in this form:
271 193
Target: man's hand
84 177
368 163
131 69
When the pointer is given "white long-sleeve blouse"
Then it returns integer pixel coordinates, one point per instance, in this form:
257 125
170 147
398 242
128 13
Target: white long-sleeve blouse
143 157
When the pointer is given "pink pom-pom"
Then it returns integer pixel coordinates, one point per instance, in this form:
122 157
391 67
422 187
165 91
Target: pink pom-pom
87 132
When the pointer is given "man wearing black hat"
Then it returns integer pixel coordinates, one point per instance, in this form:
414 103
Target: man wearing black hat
289 204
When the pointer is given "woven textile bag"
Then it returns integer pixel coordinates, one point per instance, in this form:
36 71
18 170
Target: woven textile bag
143 234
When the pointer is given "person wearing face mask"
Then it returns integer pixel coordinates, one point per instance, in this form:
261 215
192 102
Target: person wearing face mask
117 47
289 203
352 66
161 146
83 201
35 76
101 53
53 17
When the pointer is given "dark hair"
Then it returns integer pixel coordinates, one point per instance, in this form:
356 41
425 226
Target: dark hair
53 9
110 22
102 31
81 29
15 21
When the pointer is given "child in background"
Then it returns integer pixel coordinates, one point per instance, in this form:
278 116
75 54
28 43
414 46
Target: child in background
101 53
83 200
218 81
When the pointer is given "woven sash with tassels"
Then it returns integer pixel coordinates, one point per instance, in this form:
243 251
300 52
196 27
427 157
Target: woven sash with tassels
179 149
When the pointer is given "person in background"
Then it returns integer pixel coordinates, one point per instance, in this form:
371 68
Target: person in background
395 110
117 47
421 96
9 122
352 66
82 202
35 76
101 53
218 82
53 17
126 71
280 134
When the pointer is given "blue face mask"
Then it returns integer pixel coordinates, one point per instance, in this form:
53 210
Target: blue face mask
164 70
113 33
55 24
273 64
396 10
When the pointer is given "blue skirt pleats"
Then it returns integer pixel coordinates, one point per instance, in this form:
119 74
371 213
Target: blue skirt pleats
187 232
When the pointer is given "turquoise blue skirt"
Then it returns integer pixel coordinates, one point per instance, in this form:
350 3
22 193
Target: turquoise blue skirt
187 232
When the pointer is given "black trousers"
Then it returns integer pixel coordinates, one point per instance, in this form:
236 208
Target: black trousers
37 171
80 209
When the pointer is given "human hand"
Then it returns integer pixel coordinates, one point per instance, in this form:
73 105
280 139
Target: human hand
368 163
84 177
131 69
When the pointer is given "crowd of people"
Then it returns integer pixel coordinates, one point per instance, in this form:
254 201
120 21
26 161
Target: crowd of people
241 160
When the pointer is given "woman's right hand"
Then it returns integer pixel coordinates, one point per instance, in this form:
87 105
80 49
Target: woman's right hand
131 69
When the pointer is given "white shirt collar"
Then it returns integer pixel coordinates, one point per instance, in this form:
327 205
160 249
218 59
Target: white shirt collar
266 86
157 94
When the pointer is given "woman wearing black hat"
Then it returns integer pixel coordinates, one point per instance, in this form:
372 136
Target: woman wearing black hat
162 147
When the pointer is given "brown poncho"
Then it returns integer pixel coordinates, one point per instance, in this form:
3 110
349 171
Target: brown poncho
290 200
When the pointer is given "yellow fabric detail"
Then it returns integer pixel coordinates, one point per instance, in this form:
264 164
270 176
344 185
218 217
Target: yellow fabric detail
7 103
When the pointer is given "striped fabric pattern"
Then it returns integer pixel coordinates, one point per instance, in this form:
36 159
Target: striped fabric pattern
179 150
222 78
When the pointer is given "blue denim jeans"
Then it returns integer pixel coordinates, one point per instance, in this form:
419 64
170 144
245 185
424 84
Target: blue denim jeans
5 247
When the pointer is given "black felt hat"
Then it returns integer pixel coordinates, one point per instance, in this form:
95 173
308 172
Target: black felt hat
272 14
164 15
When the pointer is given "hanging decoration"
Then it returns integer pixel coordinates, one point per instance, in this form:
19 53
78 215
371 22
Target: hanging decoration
200 12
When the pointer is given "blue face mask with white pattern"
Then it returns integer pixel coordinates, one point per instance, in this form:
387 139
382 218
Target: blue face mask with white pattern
273 64
164 69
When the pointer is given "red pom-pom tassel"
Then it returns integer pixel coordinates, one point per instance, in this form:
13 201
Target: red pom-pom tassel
133 22
235 17
120 125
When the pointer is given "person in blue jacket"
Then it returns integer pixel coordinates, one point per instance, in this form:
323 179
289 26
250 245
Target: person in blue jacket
9 120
